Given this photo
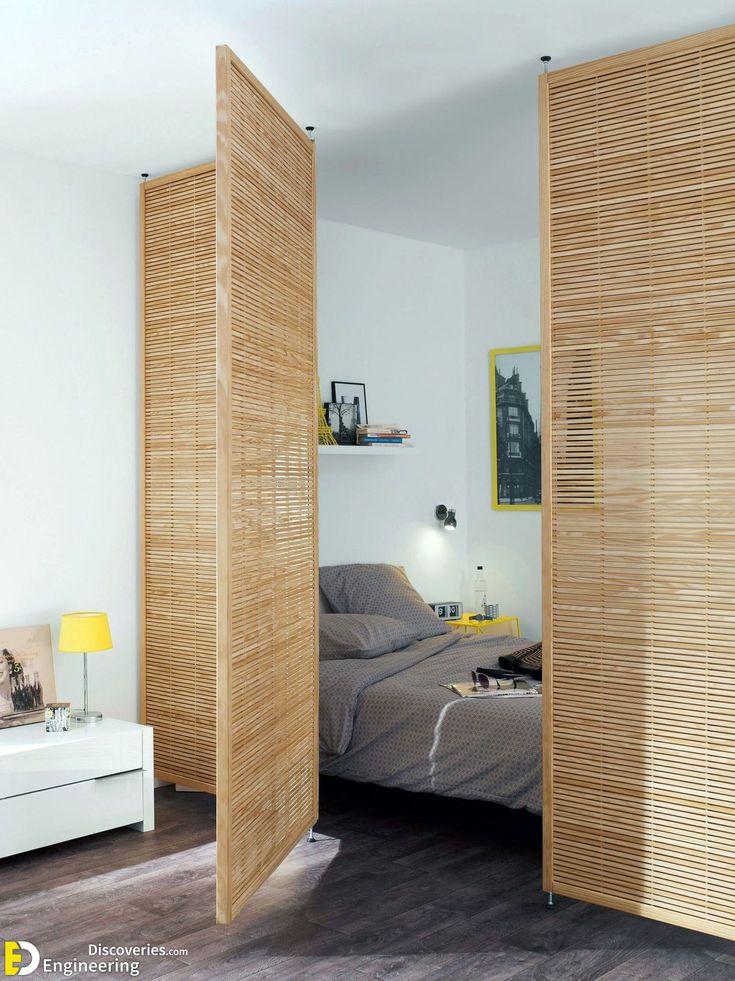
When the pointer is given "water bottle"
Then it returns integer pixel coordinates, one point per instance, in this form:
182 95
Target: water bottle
480 591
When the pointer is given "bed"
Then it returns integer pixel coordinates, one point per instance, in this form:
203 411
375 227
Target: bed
387 720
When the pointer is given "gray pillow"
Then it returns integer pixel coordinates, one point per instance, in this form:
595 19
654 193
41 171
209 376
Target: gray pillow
383 590
359 635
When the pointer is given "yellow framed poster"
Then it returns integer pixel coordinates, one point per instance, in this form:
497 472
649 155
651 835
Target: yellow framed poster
515 427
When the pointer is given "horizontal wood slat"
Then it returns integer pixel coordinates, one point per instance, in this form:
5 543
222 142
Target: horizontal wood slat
638 230
178 504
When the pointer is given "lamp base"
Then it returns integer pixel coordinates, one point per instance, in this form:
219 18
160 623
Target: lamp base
79 715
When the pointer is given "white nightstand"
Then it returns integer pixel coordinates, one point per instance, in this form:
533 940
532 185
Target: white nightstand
55 786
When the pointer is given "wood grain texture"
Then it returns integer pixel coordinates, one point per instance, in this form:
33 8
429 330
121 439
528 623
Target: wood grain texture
546 482
640 56
638 197
223 903
266 500
177 577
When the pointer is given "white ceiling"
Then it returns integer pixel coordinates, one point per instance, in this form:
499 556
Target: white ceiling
425 109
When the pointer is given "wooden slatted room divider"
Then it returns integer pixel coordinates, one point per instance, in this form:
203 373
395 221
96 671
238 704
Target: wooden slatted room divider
178 587
267 574
229 575
638 239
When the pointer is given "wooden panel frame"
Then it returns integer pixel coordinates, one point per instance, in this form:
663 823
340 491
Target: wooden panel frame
547 486
246 858
714 920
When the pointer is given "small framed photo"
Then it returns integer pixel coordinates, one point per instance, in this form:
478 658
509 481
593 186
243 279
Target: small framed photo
57 716
352 392
342 419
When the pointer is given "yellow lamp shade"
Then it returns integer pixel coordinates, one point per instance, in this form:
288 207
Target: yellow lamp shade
84 632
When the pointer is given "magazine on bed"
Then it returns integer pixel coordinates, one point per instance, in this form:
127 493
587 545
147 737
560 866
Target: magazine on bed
505 688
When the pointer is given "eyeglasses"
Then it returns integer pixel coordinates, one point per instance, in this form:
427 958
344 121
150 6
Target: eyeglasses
487 681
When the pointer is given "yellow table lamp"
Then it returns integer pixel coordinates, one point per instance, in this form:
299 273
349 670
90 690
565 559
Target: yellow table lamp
83 633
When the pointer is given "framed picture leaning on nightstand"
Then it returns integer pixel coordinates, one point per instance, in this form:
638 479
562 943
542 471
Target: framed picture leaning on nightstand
27 679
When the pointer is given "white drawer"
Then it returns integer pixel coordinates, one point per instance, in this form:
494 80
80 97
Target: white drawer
61 813
32 759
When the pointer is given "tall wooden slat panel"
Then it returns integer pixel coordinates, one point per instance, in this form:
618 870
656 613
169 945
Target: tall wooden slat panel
178 607
638 234
266 447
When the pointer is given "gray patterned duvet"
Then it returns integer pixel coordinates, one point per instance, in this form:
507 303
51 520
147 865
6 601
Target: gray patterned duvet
386 720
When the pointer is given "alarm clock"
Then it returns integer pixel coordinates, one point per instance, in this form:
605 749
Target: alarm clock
447 611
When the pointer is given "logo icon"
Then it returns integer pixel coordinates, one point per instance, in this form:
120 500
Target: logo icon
13 960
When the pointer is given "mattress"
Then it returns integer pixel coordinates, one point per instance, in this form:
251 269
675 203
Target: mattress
389 721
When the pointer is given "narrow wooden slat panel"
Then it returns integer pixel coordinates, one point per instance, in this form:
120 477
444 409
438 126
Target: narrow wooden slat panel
638 269
178 585
266 465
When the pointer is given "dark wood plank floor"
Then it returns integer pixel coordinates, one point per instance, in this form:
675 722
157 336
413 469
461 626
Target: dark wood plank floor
398 886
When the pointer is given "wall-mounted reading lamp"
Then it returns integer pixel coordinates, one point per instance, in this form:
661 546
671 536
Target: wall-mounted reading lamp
447 515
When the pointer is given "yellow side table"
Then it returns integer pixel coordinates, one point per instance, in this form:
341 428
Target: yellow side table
505 626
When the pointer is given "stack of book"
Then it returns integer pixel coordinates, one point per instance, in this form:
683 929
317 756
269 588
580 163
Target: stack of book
381 433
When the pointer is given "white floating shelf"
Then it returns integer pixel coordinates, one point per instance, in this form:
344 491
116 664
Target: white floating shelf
379 449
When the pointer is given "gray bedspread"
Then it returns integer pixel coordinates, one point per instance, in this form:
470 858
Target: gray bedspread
386 720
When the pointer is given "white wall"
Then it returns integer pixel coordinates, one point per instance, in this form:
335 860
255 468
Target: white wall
502 310
68 260
391 314
414 321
